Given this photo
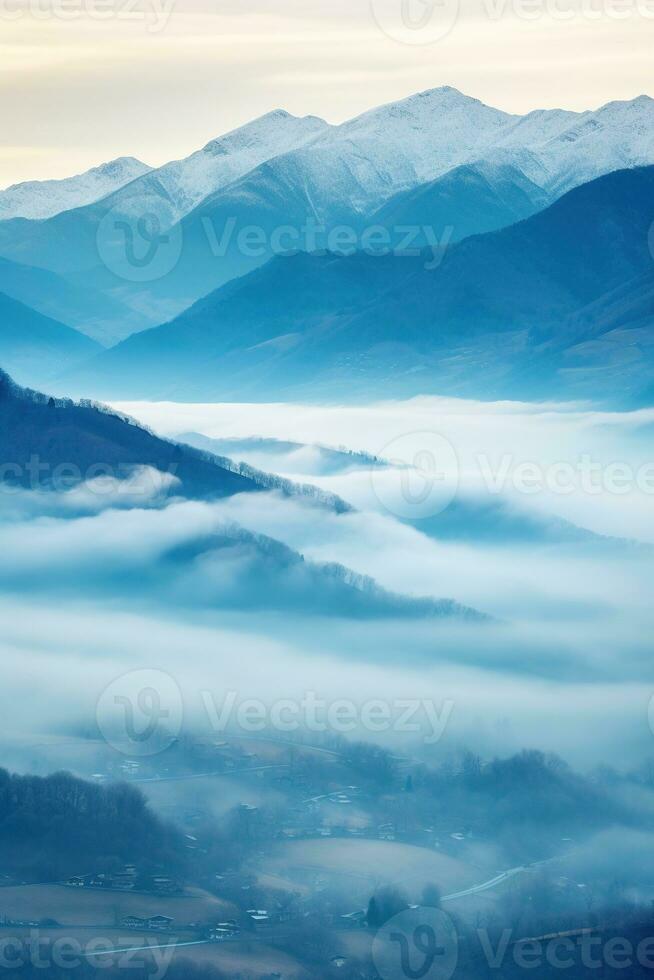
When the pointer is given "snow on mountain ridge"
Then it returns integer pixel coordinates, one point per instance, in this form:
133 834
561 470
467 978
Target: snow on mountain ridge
364 161
351 169
360 163
186 182
265 126
451 109
618 135
46 198
416 140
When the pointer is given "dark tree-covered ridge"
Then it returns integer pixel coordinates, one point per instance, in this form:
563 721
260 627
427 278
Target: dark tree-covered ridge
57 826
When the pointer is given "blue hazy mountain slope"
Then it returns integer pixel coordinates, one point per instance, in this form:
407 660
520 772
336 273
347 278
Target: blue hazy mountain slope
610 343
283 455
469 200
263 313
276 195
501 313
60 433
263 573
35 347
590 241
86 309
279 171
496 318
351 171
466 201
65 243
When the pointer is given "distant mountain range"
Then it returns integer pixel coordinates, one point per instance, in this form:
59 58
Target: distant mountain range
36 348
469 518
536 276
521 312
45 198
468 200
269 453
88 310
401 162
183 184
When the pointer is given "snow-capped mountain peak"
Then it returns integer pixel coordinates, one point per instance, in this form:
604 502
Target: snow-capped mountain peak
616 136
359 164
122 166
275 125
45 198
427 108
223 160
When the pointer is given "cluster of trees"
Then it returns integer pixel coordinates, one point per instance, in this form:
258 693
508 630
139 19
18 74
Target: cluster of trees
59 825
372 764
527 802
270 481
389 901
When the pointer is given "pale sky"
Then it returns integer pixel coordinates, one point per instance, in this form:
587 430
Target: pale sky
84 81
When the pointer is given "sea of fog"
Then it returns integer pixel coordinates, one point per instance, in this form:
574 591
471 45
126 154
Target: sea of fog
538 516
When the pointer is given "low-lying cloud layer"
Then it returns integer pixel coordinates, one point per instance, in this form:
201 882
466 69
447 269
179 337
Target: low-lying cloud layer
99 584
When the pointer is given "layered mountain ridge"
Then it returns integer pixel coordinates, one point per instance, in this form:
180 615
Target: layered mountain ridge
535 273
283 171
504 314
